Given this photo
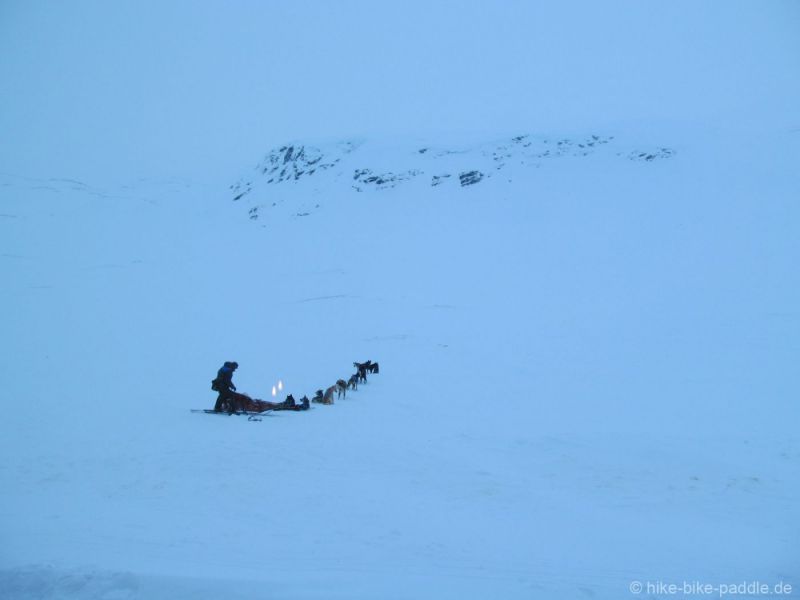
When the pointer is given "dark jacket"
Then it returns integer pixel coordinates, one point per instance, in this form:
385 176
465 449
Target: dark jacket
224 379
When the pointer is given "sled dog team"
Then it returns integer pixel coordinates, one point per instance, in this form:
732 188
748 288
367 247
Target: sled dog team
230 401
341 386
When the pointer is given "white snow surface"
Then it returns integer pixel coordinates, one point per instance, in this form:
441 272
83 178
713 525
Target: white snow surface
588 375
569 232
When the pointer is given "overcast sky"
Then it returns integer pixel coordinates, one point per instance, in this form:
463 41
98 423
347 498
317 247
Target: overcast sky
98 89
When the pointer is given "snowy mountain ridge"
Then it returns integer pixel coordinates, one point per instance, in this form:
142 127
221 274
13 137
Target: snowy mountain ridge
361 165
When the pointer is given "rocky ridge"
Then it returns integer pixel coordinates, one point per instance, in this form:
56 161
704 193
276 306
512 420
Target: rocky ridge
352 163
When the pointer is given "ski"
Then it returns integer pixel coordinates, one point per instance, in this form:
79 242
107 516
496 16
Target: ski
248 413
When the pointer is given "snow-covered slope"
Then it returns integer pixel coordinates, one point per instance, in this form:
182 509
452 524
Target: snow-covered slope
587 372
362 166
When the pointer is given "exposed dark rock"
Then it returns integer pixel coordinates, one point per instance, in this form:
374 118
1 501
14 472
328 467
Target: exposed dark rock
241 190
651 156
470 177
292 163
382 180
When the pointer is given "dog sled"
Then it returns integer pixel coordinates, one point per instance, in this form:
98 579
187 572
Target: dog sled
242 404
230 402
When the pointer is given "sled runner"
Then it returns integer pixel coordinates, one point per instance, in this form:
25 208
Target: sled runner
248 413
